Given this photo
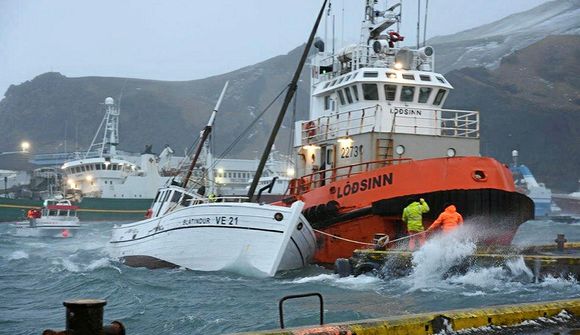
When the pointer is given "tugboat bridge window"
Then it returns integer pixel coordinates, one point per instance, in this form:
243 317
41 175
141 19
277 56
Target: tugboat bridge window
424 93
370 91
407 93
425 77
371 74
348 95
355 91
439 97
390 92
341 97
327 102
409 77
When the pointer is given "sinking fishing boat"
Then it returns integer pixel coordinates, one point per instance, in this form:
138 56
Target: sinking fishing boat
378 135
57 218
185 229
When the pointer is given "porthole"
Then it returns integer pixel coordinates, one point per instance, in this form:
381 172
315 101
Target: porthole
479 175
278 217
451 152
300 226
400 149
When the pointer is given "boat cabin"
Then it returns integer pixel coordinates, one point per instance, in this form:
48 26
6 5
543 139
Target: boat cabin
378 102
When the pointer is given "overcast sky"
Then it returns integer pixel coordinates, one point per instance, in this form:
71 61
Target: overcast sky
191 39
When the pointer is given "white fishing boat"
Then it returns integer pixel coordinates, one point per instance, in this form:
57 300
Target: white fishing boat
57 218
248 238
184 229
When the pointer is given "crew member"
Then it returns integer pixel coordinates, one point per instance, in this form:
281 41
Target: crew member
413 217
448 220
211 197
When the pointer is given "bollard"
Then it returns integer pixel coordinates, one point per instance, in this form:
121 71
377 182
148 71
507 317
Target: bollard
85 317
376 239
560 240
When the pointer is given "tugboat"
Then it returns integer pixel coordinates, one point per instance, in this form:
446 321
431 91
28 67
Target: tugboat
378 134
57 218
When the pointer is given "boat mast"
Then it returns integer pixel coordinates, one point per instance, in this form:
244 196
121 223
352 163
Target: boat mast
204 136
291 90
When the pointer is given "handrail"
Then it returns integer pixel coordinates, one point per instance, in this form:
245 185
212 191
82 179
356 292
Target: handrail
308 182
296 296
440 122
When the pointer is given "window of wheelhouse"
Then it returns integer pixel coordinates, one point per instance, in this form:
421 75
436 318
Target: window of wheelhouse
341 97
439 97
407 93
424 93
166 196
176 196
157 197
390 92
370 91
98 166
348 95
371 75
355 91
327 103
186 201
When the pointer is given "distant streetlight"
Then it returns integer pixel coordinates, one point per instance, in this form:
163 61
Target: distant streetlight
25 146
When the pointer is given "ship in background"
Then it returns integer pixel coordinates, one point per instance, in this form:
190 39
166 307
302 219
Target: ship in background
109 184
378 134
526 183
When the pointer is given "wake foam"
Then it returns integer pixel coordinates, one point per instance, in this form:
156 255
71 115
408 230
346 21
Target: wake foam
19 254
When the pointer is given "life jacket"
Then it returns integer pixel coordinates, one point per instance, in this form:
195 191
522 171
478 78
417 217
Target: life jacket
413 215
448 220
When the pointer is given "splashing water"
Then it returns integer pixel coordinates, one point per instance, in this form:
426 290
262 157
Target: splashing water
432 261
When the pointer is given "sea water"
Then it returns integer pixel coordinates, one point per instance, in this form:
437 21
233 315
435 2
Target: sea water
38 274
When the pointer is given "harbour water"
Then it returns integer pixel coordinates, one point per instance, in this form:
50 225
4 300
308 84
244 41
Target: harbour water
37 275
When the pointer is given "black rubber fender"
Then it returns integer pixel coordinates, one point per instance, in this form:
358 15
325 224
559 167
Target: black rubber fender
366 267
321 212
332 208
342 267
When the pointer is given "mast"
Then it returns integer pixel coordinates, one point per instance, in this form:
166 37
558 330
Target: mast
204 136
291 90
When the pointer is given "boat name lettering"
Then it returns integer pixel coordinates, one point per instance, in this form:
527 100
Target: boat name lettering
405 111
364 185
218 220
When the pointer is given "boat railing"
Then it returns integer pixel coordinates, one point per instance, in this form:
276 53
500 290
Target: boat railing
361 56
199 201
320 178
392 119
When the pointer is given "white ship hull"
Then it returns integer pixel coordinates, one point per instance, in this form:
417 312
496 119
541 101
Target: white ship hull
237 237
44 228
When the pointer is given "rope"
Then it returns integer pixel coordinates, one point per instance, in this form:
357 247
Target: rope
364 243
342 238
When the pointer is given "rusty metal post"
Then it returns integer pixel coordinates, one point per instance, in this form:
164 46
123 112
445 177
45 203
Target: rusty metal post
560 240
85 316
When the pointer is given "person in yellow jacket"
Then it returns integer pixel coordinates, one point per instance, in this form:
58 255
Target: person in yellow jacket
413 217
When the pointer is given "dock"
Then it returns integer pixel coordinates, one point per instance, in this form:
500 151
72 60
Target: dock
510 319
558 260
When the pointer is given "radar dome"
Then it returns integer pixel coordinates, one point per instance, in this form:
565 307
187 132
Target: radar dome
109 101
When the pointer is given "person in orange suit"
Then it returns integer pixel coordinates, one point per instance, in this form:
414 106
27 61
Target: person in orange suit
448 220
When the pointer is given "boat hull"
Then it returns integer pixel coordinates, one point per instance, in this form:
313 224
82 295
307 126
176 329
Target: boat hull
58 230
371 202
237 237
90 209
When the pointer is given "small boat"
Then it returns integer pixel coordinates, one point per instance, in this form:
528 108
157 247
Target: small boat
57 218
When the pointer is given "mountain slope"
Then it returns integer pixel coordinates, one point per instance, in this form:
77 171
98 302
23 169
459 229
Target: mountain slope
531 102
487 44
51 108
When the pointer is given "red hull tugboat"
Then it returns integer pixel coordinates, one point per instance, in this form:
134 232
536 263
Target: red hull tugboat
378 134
